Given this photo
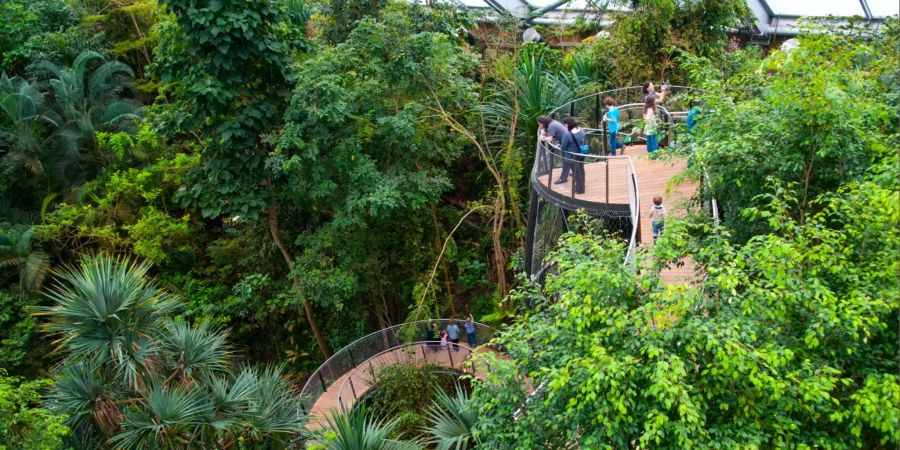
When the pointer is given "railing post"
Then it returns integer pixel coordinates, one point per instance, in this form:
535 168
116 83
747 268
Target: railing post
341 402
322 381
607 181
424 356
352 389
597 109
450 354
350 353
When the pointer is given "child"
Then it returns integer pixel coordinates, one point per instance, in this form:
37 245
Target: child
443 340
470 331
650 124
612 124
657 216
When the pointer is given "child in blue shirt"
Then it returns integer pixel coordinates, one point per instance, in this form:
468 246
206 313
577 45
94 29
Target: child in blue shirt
612 124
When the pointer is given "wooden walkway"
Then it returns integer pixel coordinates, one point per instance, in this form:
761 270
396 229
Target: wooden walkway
654 177
353 385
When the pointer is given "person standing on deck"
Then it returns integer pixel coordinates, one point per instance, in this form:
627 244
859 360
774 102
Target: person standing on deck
431 336
443 340
574 146
612 124
470 331
657 217
453 333
551 130
650 124
650 92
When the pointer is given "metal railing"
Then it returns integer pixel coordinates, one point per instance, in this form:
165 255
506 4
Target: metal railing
365 376
364 348
617 173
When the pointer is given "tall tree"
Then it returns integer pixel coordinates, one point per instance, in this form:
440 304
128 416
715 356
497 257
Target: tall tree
228 62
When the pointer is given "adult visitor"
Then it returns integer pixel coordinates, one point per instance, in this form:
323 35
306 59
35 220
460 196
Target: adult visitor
574 144
551 130
453 333
431 336
470 331
650 124
650 92
611 117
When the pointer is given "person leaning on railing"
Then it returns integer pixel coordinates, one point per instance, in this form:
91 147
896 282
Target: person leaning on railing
551 129
572 144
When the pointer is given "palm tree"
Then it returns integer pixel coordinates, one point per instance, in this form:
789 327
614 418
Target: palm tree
452 421
89 101
134 378
17 251
357 431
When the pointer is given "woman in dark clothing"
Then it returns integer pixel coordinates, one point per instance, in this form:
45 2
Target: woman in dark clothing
574 146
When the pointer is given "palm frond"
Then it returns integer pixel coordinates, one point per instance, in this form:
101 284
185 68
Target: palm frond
190 350
106 308
452 420
104 81
357 431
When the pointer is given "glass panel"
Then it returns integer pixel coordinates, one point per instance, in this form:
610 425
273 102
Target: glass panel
843 8
883 8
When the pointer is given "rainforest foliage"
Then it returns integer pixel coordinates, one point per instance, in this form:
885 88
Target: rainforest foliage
202 201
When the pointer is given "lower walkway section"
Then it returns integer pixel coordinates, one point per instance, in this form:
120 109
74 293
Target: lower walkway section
349 388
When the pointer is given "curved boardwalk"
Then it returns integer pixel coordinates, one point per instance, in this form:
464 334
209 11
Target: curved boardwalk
654 177
348 388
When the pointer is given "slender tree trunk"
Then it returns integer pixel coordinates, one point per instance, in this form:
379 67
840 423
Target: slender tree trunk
307 306
444 266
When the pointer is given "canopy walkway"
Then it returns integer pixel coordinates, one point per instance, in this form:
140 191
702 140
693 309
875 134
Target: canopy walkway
618 189
350 373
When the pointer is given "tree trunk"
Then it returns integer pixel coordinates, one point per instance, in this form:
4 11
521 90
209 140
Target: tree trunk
307 306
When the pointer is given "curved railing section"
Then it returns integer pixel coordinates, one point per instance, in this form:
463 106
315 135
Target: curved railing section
361 350
364 377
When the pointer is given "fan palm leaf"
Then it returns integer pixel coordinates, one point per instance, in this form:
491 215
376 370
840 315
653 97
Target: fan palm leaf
189 350
169 417
357 431
108 308
452 420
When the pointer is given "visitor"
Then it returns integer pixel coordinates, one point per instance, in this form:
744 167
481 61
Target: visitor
650 124
650 92
551 130
453 333
443 340
657 217
431 336
470 331
574 146
612 124
693 116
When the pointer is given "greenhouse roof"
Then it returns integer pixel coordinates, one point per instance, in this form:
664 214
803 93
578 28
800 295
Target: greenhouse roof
773 16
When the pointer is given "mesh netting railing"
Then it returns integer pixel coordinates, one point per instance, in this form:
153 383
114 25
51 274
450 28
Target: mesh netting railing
364 348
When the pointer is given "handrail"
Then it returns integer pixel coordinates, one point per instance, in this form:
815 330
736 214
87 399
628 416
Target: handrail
350 356
414 346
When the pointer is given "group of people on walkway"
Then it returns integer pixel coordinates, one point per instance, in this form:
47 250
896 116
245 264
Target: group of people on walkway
440 339
572 142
